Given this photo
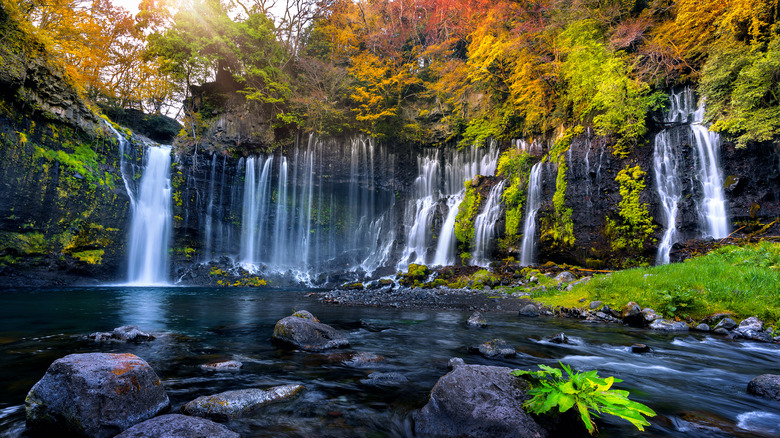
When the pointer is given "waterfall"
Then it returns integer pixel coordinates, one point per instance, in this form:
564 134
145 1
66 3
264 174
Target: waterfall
533 203
485 225
445 249
684 115
713 212
151 221
210 212
431 189
318 208
669 190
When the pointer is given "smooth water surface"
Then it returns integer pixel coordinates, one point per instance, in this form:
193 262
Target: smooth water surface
687 378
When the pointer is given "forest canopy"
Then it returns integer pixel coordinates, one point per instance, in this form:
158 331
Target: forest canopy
427 71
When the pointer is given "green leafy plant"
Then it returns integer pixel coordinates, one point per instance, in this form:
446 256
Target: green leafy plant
587 391
677 301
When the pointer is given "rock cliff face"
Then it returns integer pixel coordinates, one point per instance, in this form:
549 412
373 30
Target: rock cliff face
62 204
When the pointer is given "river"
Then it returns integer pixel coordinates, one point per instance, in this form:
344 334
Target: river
688 379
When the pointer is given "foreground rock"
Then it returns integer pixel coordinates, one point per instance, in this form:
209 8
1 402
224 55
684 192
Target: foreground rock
302 330
178 426
477 401
232 404
94 395
765 385
495 349
126 333
476 321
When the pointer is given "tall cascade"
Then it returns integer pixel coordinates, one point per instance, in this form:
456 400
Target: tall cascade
534 201
300 217
713 220
440 183
151 221
485 226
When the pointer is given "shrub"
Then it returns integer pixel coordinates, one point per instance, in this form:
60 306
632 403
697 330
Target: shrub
590 393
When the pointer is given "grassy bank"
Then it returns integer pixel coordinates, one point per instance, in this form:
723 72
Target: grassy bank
743 281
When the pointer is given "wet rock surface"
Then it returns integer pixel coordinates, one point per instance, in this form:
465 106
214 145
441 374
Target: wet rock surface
392 379
477 401
178 426
476 321
232 404
225 365
765 385
494 349
94 395
302 330
126 333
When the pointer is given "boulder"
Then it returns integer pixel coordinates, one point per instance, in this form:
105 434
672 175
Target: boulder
495 349
669 326
126 333
302 330
95 395
476 320
632 315
765 385
726 323
529 310
702 327
640 348
752 323
385 379
565 277
649 315
225 365
178 426
595 305
232 404
477 401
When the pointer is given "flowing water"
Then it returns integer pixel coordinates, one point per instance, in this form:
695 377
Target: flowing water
528 247
685 377
685 120
151 221
485 226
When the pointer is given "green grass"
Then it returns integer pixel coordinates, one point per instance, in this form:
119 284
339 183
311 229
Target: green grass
744 281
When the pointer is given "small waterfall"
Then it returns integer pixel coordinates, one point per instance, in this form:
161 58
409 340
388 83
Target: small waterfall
533 204
151 222
713 212
485 225
669 190
431 189
713 220
256 195
210 212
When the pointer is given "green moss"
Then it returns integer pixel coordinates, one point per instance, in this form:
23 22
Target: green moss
467 213
635 227
557 229
414 276
93 257
26 244
483 278
515 166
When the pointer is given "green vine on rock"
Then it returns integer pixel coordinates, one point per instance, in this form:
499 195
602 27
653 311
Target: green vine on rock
467 213
558 228
635 227
515 166
587 391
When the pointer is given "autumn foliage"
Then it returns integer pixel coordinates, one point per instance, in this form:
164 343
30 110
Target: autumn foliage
430 71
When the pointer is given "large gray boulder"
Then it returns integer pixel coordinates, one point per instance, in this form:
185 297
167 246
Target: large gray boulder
303 331
477 401
178 426
94 395
765 385
232 404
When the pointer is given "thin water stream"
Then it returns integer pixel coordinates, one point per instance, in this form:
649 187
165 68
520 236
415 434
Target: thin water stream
685 377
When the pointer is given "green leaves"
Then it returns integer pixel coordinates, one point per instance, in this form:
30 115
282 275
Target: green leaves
590 393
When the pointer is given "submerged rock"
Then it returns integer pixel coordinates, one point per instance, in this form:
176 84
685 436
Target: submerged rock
178 426
765 385
640 348
302 330
126 333
232 404
495 349
95 395
476 320
226 365
477 401
385 379
559 338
